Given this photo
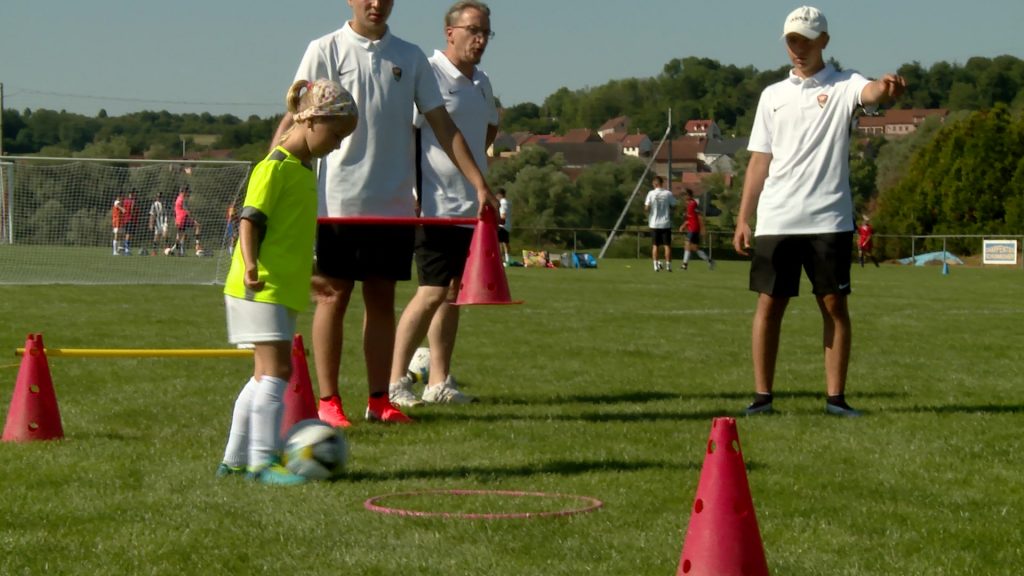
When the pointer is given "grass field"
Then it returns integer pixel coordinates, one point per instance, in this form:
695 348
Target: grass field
603 384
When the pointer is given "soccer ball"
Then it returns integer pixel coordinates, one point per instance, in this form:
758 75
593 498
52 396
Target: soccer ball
168 251
315 450
201 253
419 366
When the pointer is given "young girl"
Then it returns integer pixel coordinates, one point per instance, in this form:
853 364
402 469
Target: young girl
268 283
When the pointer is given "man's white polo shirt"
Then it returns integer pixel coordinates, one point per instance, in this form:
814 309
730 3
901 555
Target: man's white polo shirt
805 125
372 172
470 102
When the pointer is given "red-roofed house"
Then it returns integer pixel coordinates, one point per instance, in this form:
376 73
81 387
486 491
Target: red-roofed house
686 156
702 128
638 145
896 123
613 137
619 124
580 135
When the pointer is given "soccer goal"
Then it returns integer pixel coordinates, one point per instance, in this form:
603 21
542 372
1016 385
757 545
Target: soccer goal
105 221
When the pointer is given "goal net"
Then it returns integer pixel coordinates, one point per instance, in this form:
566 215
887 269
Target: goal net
101 221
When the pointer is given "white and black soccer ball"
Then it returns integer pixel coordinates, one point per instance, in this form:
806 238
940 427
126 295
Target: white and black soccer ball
316 450
419 366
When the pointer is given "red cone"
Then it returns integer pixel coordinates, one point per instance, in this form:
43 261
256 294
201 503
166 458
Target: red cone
33 414
723 538
299 403
483 279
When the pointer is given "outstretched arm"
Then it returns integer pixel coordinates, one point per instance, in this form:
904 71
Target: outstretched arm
884 90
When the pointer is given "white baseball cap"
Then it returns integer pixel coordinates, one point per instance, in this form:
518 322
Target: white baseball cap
806 21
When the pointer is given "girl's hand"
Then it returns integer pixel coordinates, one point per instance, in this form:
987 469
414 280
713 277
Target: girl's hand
252 279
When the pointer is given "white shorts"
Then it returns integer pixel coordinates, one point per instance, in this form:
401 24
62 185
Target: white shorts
160 230
254 322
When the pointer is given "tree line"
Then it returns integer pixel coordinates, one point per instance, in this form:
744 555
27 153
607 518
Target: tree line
962 177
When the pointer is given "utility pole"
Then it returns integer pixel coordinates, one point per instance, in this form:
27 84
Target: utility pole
668 179
1 118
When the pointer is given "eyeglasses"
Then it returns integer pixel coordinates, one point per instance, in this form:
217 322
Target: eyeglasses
477 31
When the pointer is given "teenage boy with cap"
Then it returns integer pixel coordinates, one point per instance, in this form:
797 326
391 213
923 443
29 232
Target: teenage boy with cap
798 181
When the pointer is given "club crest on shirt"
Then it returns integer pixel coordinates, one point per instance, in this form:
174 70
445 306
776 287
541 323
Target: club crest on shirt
822 99
396 72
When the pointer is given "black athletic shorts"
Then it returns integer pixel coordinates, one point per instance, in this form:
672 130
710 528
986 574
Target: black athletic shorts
661 236
693 237
358 252
502 235
778 260
441 253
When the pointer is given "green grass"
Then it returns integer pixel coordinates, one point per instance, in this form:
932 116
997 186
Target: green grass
603 384
22 264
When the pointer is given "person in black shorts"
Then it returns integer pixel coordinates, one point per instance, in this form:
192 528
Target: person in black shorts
798 181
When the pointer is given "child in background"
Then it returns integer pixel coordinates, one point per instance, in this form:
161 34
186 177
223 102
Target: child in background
268 282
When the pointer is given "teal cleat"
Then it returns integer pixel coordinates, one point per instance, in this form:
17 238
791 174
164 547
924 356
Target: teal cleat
224 470
274 474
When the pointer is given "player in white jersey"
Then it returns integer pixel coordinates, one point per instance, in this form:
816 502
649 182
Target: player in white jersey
658 206
798 181
158 225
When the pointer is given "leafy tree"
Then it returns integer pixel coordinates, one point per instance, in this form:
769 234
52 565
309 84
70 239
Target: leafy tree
965 180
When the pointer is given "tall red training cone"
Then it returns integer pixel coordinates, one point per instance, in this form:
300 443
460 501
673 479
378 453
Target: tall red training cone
33 414
483 279
723 538
299 403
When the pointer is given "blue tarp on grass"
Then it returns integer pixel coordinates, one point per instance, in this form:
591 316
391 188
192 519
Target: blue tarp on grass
922 259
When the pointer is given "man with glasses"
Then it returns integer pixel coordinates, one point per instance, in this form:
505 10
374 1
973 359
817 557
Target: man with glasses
445 192
371 174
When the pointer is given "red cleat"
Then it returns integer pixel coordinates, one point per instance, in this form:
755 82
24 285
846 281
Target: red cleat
330 411
381 410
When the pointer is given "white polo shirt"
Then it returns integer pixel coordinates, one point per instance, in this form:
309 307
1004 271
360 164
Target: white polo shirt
659 203
805 125
372 172
505 212
470 102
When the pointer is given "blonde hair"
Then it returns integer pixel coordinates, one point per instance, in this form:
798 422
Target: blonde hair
319 98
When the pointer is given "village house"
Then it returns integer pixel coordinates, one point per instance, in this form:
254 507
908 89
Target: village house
897 123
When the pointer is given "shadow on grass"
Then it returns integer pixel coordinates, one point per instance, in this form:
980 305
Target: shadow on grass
554 467
426 417
642 397
964 409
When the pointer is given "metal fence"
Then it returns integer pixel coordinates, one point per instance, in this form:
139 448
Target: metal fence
635 243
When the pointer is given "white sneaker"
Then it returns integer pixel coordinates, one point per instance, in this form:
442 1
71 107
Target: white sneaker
400 393
446 392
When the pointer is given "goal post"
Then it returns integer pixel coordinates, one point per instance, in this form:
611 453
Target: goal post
87 221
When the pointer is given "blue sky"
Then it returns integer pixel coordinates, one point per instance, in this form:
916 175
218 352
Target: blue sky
238 57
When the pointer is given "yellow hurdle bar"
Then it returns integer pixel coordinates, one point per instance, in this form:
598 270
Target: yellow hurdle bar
142 353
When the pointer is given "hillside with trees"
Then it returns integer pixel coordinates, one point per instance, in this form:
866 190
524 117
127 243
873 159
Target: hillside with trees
965 176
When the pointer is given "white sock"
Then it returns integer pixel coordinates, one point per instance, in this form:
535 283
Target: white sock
115 246
265 420
702 255
668 264
657 266
686 257
237 451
